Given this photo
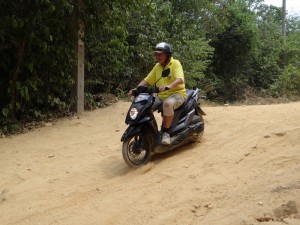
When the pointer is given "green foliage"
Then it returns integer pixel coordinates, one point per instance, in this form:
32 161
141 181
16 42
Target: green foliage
179 25
195 57
106 46
234 50
226 47
89 102
37 48
266 62
292 43
8 126
288 83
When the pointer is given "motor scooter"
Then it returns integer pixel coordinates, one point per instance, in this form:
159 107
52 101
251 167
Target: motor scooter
142 138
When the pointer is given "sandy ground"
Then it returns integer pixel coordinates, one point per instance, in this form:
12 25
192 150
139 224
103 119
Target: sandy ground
245 171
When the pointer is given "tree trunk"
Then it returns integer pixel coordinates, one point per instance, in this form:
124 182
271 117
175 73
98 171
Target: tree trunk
79 80
283 18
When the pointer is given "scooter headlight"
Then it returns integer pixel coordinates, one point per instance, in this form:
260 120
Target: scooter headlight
133 113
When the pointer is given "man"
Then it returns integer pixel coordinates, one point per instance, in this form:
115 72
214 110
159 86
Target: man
172 90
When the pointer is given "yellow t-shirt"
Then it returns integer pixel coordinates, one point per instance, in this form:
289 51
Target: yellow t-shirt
176 71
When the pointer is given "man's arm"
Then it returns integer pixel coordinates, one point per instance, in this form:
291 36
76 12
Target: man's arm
144 83
175 83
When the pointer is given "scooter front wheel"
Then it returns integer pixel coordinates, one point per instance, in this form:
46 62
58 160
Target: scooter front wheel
136 150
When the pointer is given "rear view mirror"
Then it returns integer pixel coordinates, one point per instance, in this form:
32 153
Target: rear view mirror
165 72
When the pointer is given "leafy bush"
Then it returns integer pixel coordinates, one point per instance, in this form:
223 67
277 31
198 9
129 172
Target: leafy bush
288 83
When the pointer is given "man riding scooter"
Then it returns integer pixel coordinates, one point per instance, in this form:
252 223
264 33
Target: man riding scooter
172 92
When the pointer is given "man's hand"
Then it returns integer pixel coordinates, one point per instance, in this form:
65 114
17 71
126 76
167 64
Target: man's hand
163 88
130 92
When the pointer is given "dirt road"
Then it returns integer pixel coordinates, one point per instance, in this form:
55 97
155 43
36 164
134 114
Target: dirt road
245 171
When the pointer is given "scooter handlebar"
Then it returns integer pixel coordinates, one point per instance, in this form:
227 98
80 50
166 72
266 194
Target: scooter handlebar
142 89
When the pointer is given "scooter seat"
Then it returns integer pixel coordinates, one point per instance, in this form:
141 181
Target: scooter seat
189 94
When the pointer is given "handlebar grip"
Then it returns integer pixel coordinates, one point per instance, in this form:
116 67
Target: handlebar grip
134 92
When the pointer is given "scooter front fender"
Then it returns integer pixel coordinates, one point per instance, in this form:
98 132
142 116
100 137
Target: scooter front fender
130 132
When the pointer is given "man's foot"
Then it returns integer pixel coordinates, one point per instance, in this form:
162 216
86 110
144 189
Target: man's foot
166 140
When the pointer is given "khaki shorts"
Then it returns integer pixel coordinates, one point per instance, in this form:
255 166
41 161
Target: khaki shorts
169 104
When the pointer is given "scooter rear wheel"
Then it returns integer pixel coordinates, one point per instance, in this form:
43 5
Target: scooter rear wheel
197 135
136 150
